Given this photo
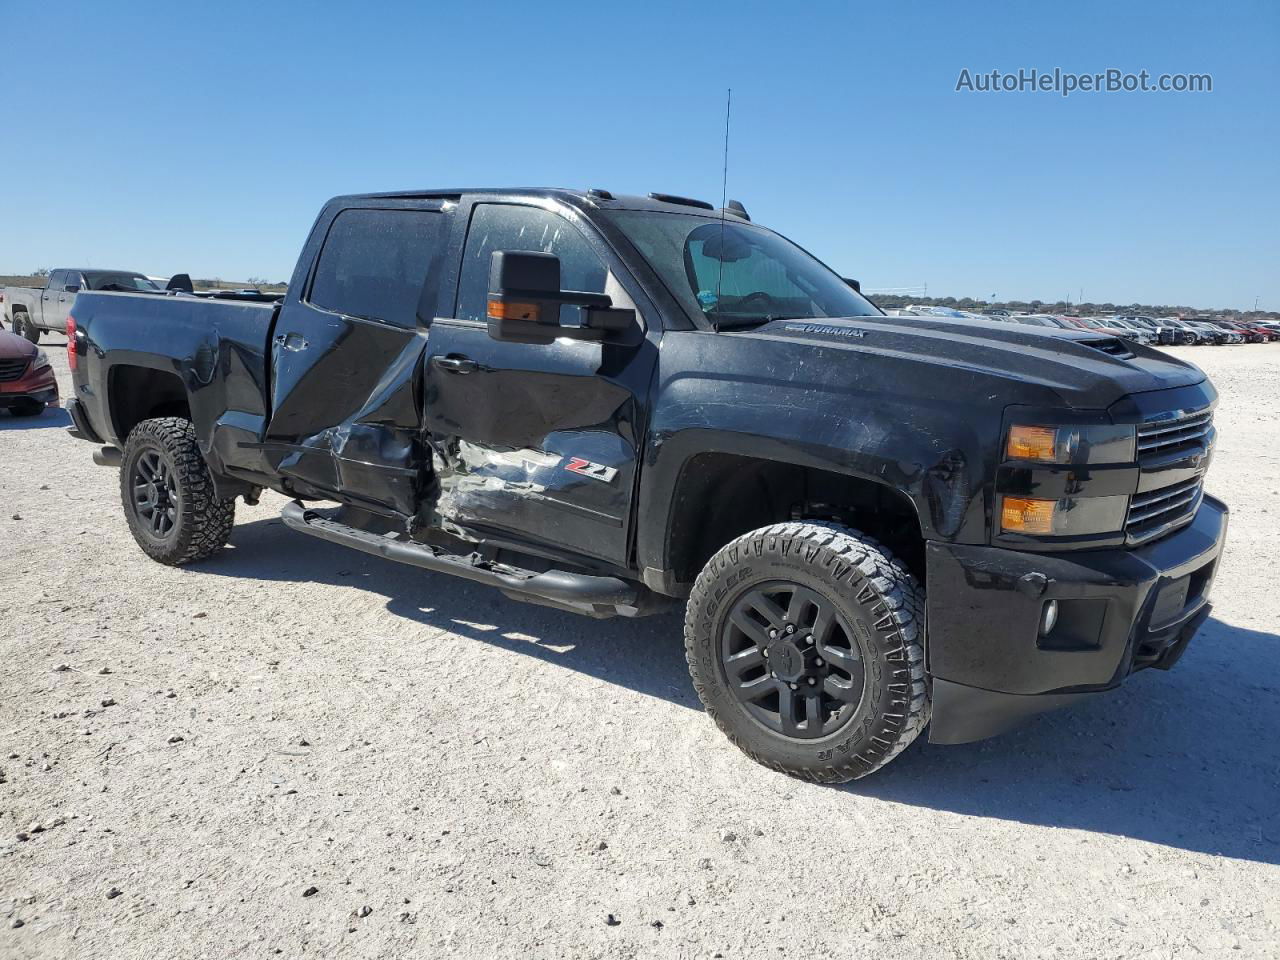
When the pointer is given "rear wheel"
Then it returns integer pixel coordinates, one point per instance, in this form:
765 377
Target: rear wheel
168 496
806 645
23 326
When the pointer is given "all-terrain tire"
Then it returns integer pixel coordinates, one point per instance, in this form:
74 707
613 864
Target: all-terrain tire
881 607
201 523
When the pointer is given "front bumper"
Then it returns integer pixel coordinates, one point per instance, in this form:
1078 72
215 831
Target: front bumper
1119 611
40 386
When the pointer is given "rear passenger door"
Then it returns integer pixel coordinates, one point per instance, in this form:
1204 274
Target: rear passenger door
346 353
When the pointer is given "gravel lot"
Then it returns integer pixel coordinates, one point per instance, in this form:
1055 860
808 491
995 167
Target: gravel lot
296 750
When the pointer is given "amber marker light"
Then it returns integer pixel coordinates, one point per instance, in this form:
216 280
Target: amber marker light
1025 515
1033 443
512 310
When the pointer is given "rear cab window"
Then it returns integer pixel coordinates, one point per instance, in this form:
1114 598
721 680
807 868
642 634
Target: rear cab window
374 264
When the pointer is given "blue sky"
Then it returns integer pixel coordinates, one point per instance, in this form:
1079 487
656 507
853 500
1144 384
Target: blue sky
142 137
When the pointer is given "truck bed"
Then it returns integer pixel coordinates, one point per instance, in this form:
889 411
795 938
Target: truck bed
213 353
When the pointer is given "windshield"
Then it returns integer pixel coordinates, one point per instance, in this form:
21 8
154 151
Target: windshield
117 280
735 274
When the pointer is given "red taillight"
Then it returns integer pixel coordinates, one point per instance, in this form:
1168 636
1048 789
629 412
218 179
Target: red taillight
71 342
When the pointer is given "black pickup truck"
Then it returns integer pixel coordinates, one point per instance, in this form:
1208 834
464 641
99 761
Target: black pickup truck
611 404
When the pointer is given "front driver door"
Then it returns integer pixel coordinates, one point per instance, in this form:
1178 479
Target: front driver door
537 442
47 317
346 355
56 319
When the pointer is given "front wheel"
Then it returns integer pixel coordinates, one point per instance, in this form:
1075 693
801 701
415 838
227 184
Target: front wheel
168 495
805 642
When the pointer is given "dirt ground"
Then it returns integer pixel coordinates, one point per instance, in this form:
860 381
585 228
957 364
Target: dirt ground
297 750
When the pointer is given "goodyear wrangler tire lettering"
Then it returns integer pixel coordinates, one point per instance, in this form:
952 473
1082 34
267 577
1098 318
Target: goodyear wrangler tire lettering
811 659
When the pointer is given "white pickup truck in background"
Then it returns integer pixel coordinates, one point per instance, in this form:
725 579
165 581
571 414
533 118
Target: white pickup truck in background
30 311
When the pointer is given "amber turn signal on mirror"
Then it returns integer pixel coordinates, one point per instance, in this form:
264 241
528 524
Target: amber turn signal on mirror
500 309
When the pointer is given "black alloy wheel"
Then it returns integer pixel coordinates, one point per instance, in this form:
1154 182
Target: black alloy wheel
791 660
805 643
155 494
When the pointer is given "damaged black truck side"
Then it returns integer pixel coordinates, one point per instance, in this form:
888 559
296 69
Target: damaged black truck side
613 404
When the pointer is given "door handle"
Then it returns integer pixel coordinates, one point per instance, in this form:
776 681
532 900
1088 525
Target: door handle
456 364
291 341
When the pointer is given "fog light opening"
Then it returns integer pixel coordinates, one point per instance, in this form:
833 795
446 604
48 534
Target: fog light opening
1048 618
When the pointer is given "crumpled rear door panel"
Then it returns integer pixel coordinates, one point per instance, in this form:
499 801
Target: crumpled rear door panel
346 422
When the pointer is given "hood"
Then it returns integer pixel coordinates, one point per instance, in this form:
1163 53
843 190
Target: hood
14 347
1083 369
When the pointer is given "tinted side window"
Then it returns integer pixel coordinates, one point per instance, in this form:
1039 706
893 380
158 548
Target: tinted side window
503 227
57 279
374 263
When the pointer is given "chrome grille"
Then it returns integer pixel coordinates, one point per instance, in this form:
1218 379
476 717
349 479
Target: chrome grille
1157 512
1176 432
12 369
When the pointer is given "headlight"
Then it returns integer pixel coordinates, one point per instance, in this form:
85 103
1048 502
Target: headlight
1069 517
1038 452
41 361
1098 443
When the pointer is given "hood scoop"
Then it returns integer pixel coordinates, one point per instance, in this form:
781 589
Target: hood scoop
1109 345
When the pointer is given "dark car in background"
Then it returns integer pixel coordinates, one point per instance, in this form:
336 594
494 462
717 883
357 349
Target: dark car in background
1161 332
1179 335
1214 334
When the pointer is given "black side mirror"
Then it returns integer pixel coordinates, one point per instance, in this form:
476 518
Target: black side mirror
525 300
857 287
72 288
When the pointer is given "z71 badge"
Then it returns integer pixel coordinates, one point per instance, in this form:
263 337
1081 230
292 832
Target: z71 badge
596 471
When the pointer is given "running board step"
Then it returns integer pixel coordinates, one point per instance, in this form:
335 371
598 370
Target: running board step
581 593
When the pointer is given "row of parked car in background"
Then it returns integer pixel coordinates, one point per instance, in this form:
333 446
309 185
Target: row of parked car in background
31 311
1167 331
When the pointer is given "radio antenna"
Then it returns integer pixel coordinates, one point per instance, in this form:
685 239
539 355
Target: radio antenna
724 193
